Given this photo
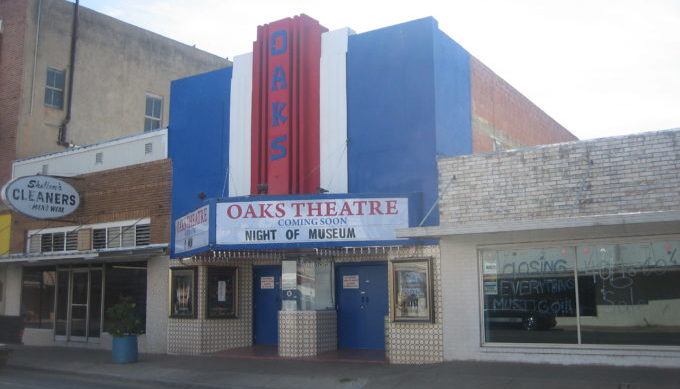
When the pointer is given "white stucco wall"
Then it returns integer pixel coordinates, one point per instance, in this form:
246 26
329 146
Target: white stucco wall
12 295
155 340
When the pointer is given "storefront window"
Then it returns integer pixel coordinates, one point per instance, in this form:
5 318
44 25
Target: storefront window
529 295
627 294
126 280
634 295
37 297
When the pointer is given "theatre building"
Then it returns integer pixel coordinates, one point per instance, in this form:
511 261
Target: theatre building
563 253
293 170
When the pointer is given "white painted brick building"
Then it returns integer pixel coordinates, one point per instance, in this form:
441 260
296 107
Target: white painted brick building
564 253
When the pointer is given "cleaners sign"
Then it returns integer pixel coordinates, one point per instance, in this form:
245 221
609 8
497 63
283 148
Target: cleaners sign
41 197
310 221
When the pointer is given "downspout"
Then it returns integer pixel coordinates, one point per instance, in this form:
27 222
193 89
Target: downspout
61 139
35 56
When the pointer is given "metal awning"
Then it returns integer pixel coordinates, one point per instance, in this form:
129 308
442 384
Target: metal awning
450 229
108 255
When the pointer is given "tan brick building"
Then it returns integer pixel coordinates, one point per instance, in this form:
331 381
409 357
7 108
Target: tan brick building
72 76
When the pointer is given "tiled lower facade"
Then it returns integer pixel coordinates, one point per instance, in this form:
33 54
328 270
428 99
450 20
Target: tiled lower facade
201 335
417 343
309 333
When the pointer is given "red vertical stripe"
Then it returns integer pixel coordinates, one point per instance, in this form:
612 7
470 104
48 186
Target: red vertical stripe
285 156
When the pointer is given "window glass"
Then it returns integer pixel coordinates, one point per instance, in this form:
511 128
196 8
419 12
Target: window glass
126 280
54 88
529 295
627 294
152 113
37 297
633 295
307 284
314 283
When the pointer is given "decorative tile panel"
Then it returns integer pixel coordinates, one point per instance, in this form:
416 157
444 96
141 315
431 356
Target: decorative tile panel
307 333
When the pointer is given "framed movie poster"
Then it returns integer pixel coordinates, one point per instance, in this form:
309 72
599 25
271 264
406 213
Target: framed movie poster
183 292
412 290
222 299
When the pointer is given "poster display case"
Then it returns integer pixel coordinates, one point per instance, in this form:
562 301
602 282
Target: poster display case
412 290
222 299
183 292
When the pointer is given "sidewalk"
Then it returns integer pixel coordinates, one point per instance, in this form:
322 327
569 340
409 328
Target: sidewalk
223 372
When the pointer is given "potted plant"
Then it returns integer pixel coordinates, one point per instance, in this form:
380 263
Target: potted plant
124 326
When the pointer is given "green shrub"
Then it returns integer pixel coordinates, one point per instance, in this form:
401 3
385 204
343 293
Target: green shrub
123 319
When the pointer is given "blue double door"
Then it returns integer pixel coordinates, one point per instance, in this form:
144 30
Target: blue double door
361 300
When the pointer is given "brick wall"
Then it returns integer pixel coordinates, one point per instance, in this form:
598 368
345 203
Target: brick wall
13 14
127 193
499 110
635 173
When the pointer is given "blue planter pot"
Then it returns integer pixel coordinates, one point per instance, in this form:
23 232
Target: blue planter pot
124 349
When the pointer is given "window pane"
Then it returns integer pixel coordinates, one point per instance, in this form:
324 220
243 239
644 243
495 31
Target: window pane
58 241
142 234
37 297
128 237
59 77
72 241
58 99
49 81
62 302
529 295
126 280
48 97
156 108
114 237
99 238
46 243
149 106
95 303
633 295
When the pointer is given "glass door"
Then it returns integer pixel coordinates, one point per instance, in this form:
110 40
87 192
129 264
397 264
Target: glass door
79 305
80 285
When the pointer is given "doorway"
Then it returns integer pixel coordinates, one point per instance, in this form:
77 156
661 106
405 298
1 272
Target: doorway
79 304
361 290
266 304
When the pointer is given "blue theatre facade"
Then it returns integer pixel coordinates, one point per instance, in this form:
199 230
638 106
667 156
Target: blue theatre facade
284 232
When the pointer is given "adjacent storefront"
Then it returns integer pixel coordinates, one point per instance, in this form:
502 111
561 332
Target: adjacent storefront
572 258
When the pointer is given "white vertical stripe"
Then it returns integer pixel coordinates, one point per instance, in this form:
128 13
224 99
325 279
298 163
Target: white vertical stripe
239 125
333 108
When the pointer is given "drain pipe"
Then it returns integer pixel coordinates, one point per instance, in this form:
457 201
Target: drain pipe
61 138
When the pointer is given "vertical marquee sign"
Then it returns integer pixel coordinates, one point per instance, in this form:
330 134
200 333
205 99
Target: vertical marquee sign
285 115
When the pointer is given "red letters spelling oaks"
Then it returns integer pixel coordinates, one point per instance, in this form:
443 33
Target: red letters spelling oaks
312 209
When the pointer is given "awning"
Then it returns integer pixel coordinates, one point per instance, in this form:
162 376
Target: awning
450 229
108 255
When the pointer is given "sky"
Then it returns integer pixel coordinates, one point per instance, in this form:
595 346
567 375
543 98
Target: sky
598 67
